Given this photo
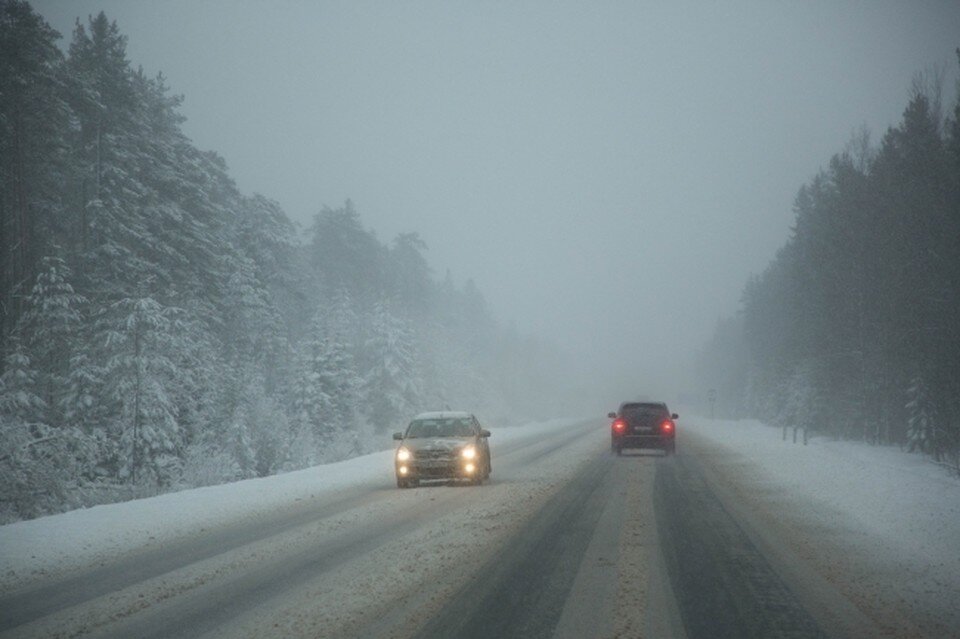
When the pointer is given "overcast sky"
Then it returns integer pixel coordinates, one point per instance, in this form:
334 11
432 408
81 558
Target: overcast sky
610 174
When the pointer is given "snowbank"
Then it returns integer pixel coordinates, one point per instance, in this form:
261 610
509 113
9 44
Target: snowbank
881 491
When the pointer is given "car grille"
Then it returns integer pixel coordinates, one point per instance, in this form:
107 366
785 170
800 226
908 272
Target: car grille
432 455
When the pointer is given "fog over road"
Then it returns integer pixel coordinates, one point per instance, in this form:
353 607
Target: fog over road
566 540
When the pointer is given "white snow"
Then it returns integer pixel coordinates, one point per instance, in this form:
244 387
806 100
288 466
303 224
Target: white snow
48 545
884 524
896 507
877 490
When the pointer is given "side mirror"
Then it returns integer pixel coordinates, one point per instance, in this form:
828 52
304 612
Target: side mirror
484 433
398 436
612 415
674 416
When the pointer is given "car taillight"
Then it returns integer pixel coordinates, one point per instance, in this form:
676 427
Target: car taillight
619 425
667 426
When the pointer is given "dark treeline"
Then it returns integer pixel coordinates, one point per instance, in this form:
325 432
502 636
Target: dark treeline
159 329
853 330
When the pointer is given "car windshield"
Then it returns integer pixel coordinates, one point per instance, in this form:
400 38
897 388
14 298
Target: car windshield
450 427
635 411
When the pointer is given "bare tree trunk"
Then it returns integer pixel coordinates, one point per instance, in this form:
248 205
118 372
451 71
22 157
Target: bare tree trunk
6 283
136 404
20 270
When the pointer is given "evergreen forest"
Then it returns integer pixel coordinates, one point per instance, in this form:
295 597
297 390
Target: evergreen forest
853 329
161 330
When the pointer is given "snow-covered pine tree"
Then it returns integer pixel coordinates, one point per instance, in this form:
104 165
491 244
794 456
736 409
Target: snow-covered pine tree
35 121
114 238
265 426
141 338
922 417
38 463
19 399
52 320
392 388
327 383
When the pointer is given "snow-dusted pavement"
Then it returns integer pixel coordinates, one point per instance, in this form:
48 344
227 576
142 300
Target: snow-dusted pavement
329 551
741 534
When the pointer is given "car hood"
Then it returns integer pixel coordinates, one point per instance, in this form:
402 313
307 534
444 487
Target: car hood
436 443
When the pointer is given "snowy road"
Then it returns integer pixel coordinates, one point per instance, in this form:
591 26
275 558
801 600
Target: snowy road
565 541
363 559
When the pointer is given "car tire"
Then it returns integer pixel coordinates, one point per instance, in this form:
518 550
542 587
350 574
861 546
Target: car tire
619 451
403 483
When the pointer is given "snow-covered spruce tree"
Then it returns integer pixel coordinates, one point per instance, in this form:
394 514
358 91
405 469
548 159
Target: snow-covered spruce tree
409 274
803 403
19 399
311 405
266 237
114 238
141 339
38 463
392 388
51 324
264 426
34 123
345 255
342 321
327 384
921 425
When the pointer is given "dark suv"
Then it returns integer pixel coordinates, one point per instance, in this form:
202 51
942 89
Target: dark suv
442 445
643 425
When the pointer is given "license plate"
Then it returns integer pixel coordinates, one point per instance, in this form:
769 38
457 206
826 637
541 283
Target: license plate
643 429
433 463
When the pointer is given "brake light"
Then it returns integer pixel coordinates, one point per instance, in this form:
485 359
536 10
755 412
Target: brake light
619 425
667 426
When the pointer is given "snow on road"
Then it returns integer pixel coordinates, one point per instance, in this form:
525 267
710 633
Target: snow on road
882 492
882 523
44 547
879 524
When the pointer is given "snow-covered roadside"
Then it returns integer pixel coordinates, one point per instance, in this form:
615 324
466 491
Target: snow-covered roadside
887 521
881 491
42 547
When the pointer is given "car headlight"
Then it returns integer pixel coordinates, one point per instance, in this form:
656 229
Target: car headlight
469 452
403 454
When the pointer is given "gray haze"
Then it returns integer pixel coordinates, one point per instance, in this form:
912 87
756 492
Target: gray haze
609 175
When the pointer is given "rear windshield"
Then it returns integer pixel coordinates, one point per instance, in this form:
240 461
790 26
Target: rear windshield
631 411
452 427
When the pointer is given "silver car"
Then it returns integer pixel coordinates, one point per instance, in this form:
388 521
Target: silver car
442 445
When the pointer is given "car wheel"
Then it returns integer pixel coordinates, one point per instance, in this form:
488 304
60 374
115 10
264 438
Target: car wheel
402 483
619 451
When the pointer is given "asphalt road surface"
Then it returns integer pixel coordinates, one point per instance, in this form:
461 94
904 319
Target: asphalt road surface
566 540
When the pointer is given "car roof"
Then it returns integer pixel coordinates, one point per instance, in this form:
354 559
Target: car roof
444 414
